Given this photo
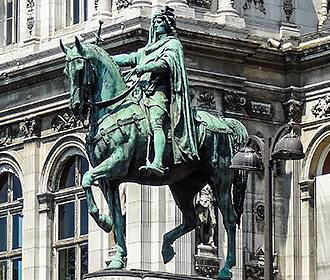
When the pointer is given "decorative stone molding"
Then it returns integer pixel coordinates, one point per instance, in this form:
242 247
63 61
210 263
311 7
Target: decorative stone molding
234 102
259 211
254 268
259 4
96 4
6 135
122 4
307 190
31 127
259 109
206 261
206 100
201 3
288 9
66 121
322 107
293 110
30 20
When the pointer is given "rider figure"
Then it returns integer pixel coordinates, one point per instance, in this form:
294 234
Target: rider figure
160 65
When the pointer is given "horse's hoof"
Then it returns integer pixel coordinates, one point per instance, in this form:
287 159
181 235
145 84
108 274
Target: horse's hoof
116 264
225 274
168 254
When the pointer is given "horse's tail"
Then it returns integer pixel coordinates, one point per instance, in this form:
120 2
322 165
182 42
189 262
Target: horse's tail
239 139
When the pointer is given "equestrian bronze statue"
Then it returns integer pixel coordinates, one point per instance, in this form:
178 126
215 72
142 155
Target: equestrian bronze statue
143 129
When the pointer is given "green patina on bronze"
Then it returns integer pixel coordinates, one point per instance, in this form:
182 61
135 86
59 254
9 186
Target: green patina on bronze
147 133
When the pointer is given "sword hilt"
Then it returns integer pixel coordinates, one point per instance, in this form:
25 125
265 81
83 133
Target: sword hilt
99 31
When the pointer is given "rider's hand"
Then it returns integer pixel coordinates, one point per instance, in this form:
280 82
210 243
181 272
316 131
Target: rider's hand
140 70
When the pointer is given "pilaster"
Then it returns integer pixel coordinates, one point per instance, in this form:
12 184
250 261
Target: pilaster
31 227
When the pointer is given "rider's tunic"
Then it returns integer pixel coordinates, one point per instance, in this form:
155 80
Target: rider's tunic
169 91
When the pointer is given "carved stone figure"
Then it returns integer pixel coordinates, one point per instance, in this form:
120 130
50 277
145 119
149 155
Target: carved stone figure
118 139
206 219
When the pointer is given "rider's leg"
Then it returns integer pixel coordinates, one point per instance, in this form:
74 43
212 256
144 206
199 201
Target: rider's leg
157 118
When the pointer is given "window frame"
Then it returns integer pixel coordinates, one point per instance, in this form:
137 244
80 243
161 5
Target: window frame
9 209
64 196
15 30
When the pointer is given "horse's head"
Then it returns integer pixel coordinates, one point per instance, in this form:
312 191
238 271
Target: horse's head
81 74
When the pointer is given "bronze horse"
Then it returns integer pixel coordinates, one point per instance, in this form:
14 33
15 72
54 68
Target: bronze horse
117 145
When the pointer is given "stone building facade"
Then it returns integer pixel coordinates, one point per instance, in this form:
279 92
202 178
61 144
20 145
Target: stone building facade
245 59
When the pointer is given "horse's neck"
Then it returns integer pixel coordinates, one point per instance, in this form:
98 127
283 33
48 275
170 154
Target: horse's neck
110 84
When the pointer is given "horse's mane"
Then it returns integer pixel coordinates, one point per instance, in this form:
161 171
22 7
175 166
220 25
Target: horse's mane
94 51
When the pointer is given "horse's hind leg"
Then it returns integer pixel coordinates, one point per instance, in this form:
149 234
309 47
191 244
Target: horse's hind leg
183 194
221 187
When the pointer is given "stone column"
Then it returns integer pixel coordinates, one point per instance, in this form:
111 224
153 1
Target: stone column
103 7
227 14
46 218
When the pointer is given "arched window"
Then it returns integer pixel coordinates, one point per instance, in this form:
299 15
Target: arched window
71 221
326 165
11 222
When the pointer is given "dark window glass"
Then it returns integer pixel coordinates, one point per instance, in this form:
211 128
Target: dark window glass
85 10
68 174
3 270
17 188
9 22
17 269
83 217
4 187
66 220
17 231
76 10
3 234
326 165
83 260
66 268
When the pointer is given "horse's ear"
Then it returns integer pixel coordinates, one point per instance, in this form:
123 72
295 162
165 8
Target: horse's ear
64 48
79 45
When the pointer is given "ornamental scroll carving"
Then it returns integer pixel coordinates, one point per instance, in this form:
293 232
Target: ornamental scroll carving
122 4
322 107
206 100
30 127
66 121
30 20
259 4
6 135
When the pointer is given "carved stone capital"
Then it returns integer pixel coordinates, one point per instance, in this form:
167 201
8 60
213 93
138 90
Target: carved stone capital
307 190
66 120
31 127
293 110
46 201
322 107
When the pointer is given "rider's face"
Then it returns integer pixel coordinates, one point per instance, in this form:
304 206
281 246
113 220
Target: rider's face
159 26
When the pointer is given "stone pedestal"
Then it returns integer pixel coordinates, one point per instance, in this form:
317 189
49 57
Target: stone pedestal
137 275
207 262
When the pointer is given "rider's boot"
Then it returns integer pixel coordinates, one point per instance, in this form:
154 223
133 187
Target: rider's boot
156 166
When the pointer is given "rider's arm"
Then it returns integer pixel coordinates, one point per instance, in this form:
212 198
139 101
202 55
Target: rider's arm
159 66
124 60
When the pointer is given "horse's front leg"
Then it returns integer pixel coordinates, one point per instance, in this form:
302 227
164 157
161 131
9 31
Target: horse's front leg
112 167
